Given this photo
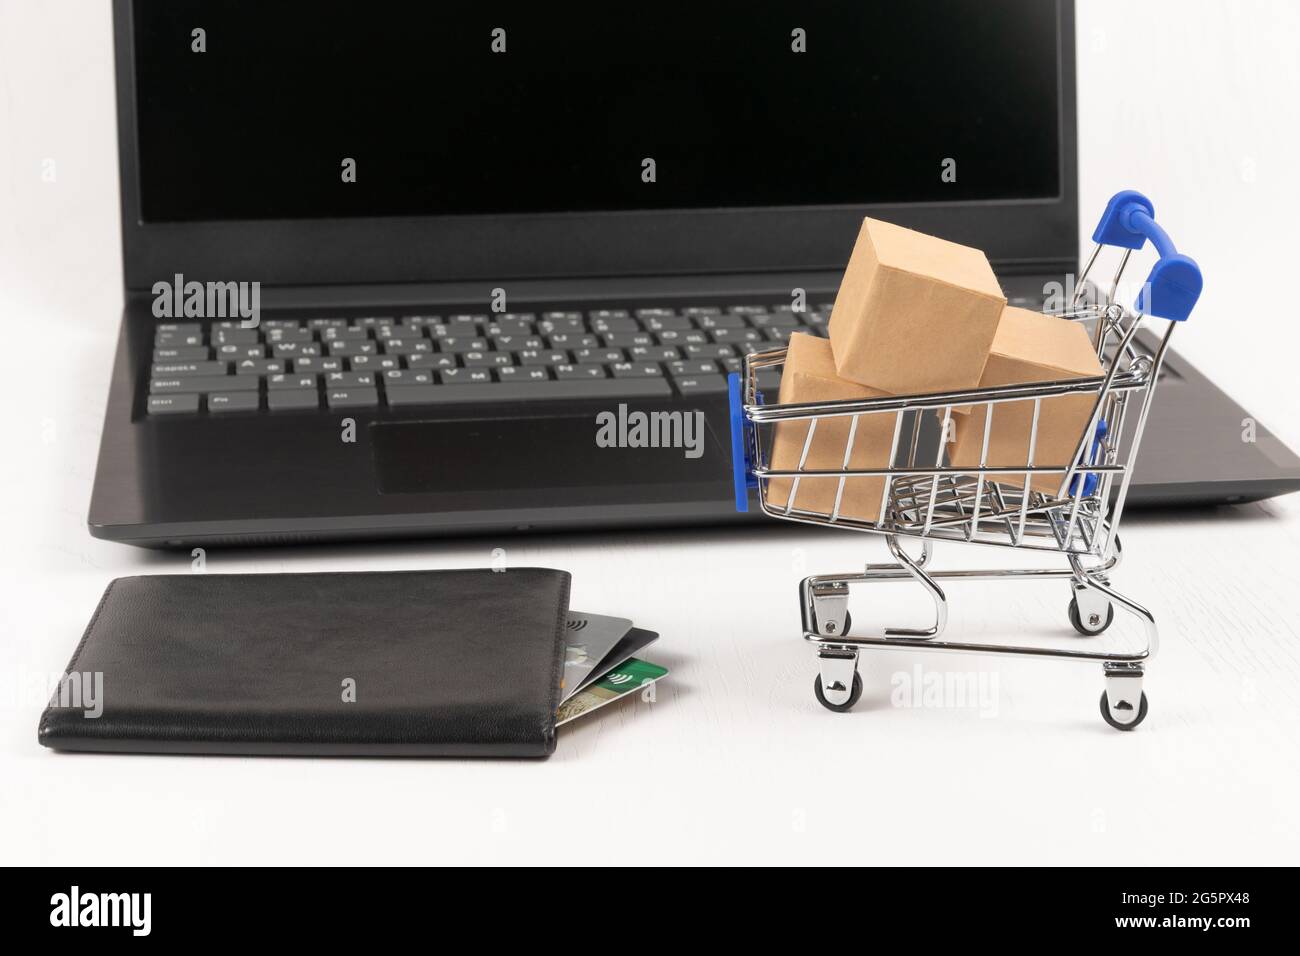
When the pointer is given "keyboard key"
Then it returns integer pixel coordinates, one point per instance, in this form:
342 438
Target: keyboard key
372 363
616 326
415 395
732 321
350 347
592 356
292 399
400 332
784 320
344 333
351 397
203 383
221 402
624 340
460 343
566 317
516 343
181 369
572 373
234 336
399 378
635 370
533 357
438 361
518 373
654 353
710 351
177 339
260 366
572 324
692 368
698 310
486 359
700 384
314 364
172 404
679 322
183 353
657 313
407 346
536 391
603 315
348 380
737 336
288 335
571 340
748 309
277 383
465 376
233 352
504 326
675 337
183 328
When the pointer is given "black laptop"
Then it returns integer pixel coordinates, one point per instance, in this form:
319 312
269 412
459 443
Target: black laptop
387 266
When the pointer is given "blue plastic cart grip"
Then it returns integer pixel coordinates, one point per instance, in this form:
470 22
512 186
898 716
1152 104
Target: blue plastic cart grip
740 477
1174 284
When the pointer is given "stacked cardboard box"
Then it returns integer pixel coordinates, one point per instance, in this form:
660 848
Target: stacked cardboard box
1029 347
919 314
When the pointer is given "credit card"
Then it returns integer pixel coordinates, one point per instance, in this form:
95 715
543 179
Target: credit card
628 678
635 640
588 639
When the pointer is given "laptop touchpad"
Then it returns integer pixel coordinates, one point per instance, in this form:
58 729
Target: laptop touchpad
559 459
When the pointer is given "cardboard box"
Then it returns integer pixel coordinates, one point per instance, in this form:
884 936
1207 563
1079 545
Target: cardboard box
809 376
1030 347
914 313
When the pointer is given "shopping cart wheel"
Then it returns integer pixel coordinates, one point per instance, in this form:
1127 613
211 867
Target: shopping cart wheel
1141 715
854 694
1095 623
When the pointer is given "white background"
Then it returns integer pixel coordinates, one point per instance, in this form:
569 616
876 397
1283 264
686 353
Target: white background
1193 103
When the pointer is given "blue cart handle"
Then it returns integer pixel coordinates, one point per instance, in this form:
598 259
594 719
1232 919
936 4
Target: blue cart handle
1175 281
742 476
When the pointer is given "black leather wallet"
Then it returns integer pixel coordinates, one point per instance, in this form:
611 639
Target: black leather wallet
413 663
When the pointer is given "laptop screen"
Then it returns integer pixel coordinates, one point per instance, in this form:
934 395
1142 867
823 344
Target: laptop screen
335 110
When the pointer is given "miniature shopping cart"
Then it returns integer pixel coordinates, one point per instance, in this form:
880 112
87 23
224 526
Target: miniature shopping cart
926 499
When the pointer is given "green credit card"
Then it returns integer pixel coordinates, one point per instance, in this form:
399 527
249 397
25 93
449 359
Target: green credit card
632 675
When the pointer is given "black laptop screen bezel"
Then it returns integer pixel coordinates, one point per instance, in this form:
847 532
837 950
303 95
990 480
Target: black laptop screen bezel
1018 235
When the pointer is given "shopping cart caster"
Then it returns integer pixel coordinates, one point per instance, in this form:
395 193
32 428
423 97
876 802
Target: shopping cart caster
835 689
1123 702
1096 615
1106 713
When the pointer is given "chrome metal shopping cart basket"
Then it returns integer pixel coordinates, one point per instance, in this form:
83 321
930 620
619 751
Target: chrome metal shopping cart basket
999 503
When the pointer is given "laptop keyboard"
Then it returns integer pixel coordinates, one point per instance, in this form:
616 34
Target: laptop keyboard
404 361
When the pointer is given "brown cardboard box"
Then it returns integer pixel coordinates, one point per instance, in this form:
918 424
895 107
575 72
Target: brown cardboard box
914 313
1030 347
809 376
